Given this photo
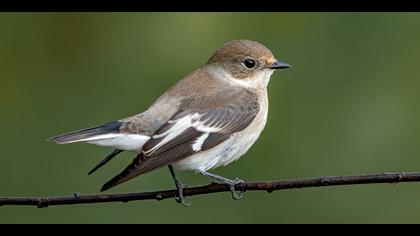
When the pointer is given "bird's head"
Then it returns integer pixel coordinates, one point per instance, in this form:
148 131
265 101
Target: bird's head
246 62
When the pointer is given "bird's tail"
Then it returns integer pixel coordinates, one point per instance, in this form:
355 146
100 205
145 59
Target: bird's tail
90 134
128 173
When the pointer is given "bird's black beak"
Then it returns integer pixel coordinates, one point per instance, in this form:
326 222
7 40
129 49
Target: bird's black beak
279 65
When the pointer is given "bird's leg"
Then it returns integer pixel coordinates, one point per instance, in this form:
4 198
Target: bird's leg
180 186
105 160
235 195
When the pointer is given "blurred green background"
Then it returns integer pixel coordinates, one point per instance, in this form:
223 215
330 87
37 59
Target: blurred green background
349 105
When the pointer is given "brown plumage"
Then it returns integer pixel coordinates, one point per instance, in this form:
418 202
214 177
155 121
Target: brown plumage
208 119
201 91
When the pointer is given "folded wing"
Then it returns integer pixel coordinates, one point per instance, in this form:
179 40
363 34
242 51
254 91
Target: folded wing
191 131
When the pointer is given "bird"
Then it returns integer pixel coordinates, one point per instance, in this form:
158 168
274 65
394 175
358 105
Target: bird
206 120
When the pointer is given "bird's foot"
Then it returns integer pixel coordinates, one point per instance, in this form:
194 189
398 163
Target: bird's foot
180 187
236 195
180 198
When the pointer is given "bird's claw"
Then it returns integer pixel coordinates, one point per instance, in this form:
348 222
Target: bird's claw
231 183
180 198
183 201
236 195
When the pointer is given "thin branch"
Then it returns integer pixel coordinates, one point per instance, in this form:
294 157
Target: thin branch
268 186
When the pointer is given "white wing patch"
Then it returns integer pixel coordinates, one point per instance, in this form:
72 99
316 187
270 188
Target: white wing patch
182 124
199 142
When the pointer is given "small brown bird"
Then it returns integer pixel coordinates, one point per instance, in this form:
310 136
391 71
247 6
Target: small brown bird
206 120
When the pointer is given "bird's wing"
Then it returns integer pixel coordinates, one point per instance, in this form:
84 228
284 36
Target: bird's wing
192 130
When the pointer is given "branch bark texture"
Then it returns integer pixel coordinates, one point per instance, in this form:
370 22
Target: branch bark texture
268 186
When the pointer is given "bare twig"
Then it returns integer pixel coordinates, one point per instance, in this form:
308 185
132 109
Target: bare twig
268 186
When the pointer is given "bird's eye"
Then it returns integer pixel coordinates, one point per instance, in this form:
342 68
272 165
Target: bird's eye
250 63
